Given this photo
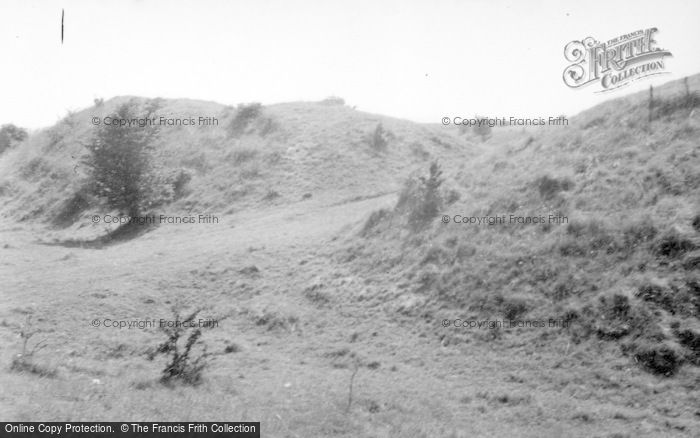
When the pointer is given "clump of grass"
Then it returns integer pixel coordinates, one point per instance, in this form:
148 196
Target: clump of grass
273 320
241 155
548 187
316 295
270 195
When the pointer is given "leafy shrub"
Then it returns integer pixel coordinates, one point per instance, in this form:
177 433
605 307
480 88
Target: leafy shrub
183 366
120 163
420 198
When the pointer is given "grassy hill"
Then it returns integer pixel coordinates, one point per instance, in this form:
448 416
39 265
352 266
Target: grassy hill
622 267
333 274
287 153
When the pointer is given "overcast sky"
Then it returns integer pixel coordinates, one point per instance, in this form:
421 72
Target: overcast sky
419 60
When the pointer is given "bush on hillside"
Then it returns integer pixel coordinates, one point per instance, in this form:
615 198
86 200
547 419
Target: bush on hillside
185 366
421 199
379 139
245 115
120 163
10 135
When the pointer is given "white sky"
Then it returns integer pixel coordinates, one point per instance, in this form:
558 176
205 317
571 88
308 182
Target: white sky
419 60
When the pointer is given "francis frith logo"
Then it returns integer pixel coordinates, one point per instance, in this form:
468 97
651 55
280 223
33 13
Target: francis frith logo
614 63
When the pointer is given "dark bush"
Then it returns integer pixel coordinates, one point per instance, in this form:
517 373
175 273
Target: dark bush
656 294
673 245
514 308
183 366
120 163
658 358
420 198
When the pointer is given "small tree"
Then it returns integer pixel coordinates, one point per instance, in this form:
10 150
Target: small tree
421 198
120 162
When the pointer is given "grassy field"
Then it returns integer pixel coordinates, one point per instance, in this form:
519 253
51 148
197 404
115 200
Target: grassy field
336 297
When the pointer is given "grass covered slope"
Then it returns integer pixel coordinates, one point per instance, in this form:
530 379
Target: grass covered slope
253 155
623 267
